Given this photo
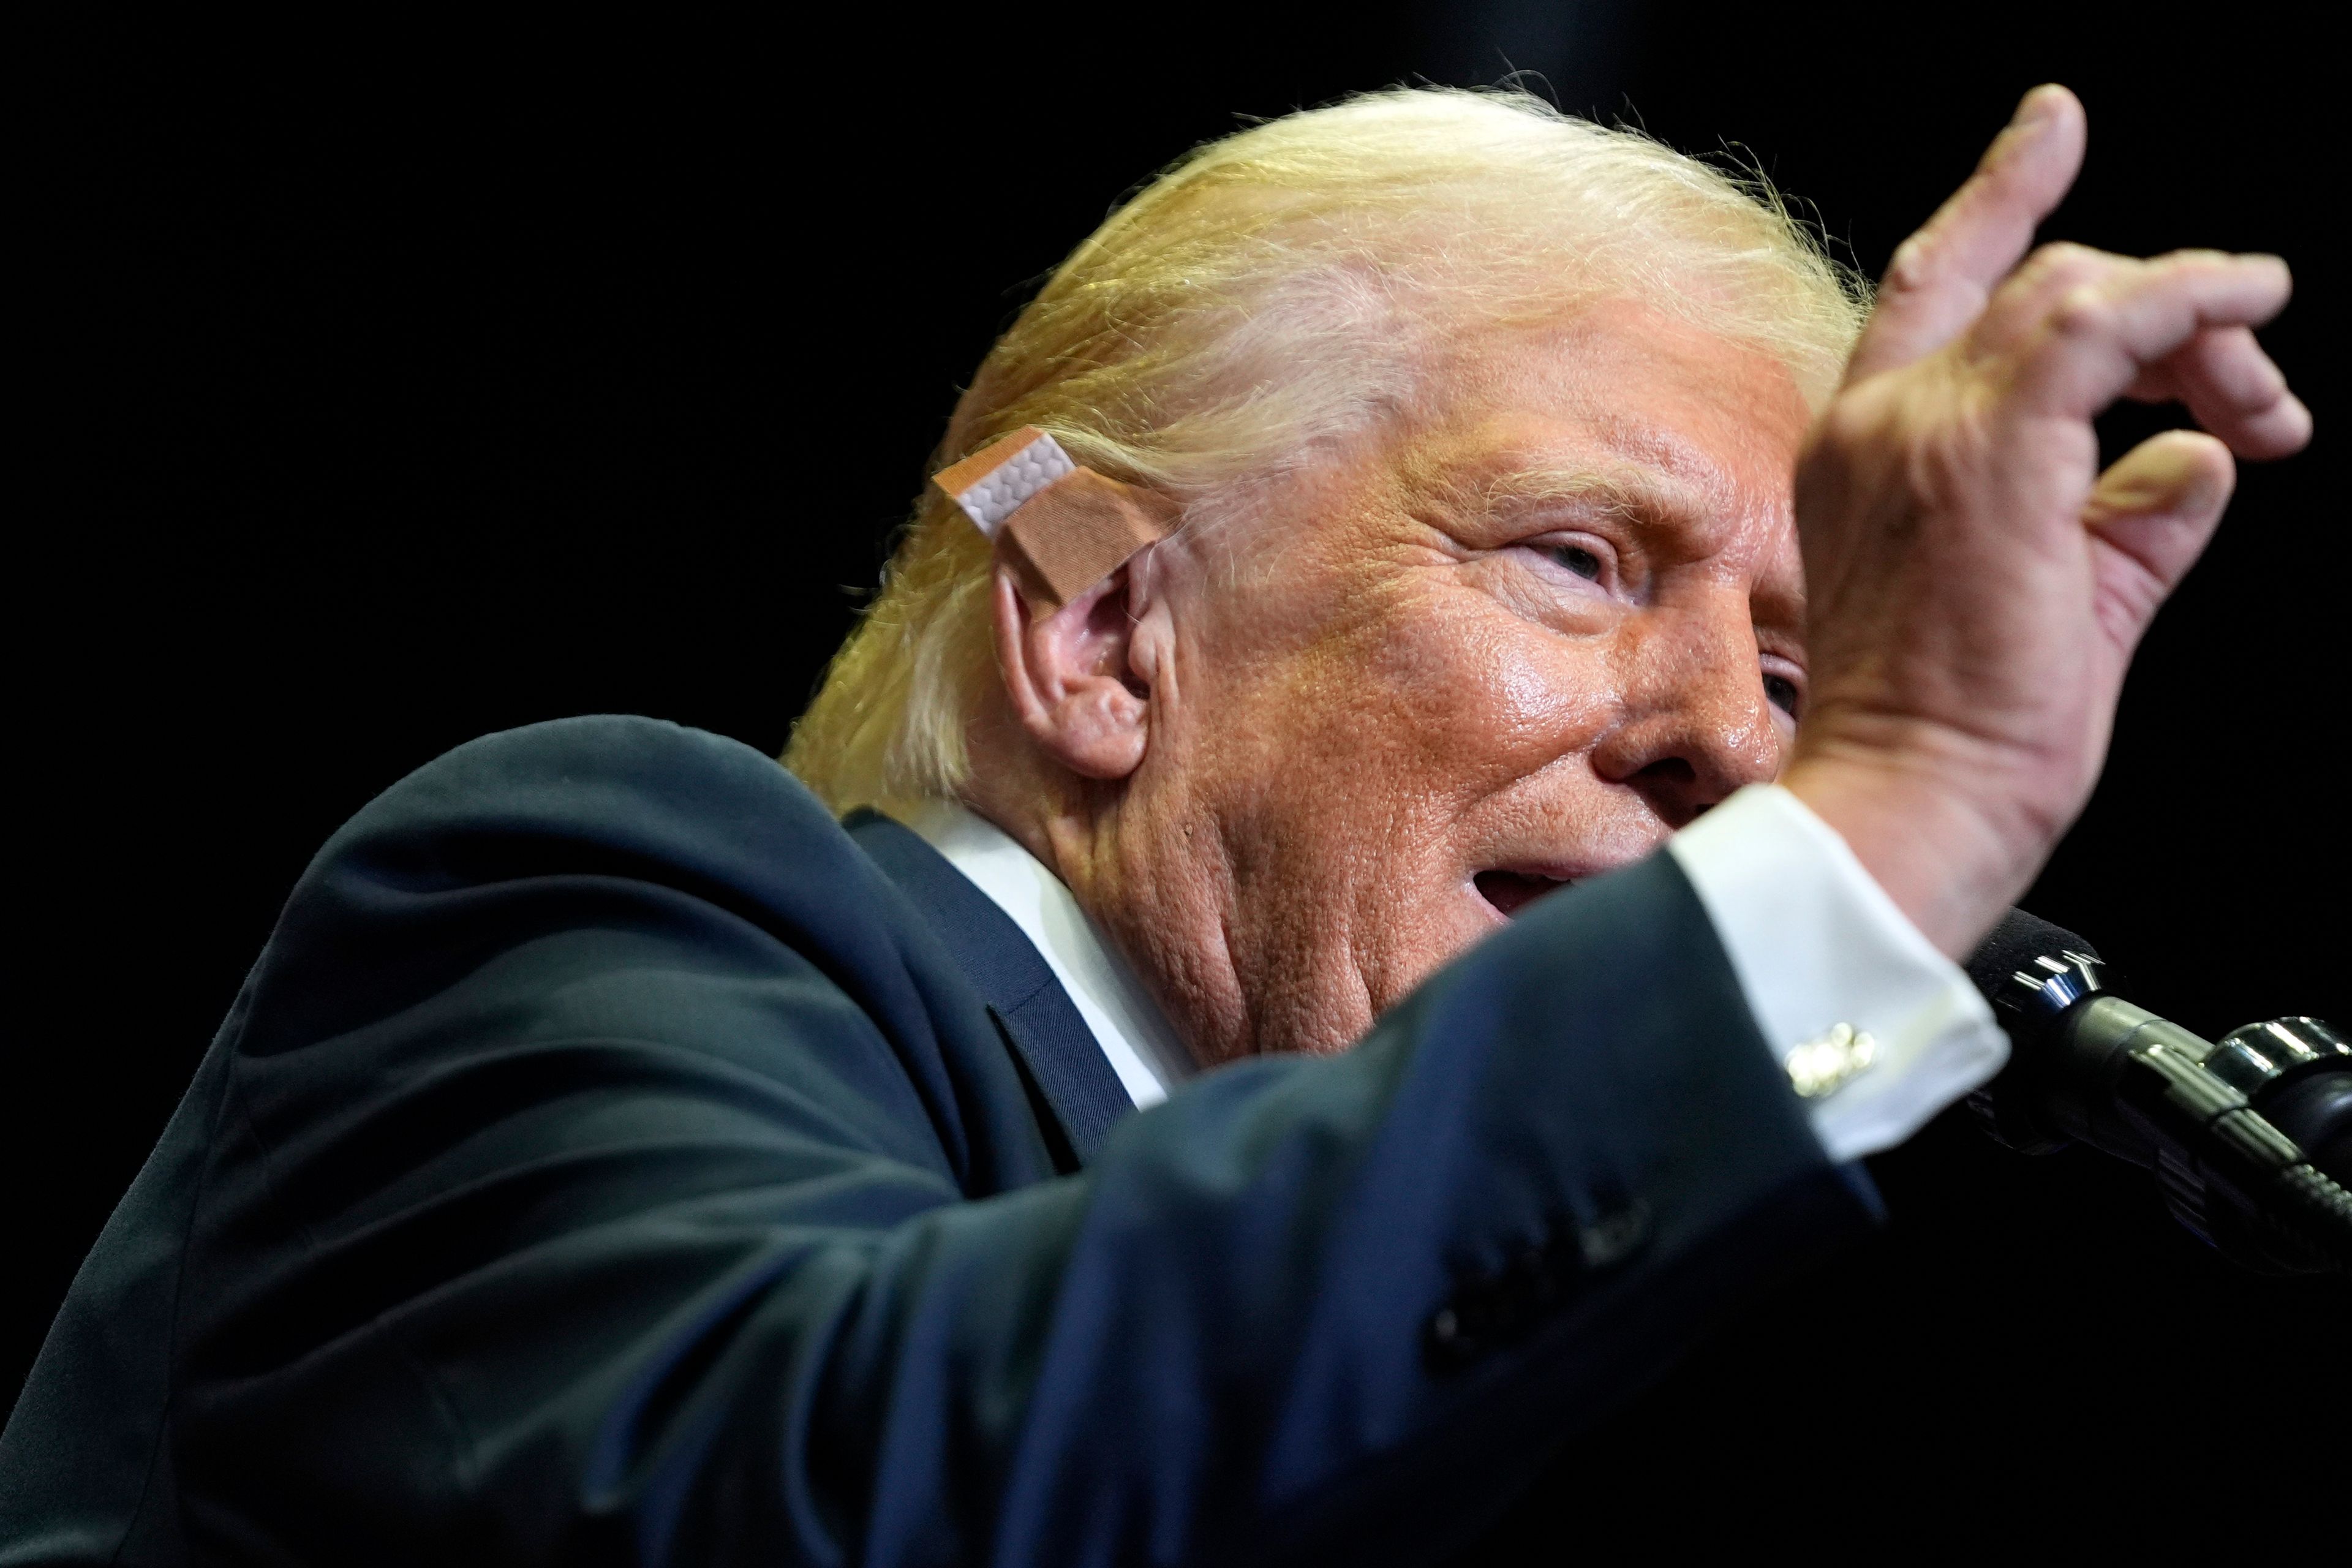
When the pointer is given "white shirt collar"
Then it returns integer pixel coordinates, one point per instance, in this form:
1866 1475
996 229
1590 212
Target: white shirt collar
1134 1034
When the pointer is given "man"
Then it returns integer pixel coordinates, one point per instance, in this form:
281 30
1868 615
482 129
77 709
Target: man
614 1157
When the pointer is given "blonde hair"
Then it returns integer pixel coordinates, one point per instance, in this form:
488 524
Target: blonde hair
1274 293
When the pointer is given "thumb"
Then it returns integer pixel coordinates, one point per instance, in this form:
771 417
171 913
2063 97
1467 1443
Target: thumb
2150 516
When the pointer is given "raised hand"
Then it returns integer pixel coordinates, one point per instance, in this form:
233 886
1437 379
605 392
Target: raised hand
1976 585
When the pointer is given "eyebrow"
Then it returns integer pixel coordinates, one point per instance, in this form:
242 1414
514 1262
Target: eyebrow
1636 492
1649 492
1654 474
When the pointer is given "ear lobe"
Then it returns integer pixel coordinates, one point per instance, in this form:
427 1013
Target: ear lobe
1070 679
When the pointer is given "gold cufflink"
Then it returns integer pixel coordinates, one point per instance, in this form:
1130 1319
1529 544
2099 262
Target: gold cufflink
1829 1060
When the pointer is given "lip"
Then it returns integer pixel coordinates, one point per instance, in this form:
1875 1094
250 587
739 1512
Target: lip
1508 891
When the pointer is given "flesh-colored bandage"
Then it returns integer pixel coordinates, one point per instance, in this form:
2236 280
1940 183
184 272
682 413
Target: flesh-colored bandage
1061 527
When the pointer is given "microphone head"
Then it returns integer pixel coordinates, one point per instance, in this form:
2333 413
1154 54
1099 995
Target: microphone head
2015 943
2032 971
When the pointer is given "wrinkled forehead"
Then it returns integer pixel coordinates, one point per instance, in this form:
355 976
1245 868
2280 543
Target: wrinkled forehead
1622 410
1688 435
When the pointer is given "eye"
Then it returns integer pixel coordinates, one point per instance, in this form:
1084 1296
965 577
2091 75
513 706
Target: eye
1575 558
1782 693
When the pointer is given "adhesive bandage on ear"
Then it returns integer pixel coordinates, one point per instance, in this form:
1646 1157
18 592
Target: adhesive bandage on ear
1062 527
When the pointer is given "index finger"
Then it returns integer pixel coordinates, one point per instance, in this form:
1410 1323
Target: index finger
1942 276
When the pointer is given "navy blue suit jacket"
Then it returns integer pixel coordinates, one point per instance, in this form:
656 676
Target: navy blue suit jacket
611 1158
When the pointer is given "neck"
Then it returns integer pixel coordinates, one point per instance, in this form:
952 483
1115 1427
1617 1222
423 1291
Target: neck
1135 1035
1147 885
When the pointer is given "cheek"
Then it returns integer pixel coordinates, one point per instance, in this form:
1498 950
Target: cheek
1407 717
1487 697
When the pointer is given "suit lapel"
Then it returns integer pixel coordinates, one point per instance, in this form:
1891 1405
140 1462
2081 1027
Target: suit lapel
1059 1052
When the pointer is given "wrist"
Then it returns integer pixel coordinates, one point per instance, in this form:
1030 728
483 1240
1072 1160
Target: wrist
1949 863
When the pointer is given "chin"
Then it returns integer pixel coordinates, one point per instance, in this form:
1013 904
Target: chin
1428 937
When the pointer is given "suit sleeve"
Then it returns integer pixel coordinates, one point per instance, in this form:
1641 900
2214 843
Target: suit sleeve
609 1169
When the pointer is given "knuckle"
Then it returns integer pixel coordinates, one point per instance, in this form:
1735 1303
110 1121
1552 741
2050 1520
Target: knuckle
2199 259
1912 266
1919 432
1850 422
2084 310
2060 260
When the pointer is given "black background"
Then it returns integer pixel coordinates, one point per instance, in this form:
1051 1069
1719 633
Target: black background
397 385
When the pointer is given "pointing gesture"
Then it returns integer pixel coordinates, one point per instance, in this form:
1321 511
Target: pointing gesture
1977 583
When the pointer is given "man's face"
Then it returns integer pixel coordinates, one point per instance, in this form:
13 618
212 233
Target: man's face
1515 645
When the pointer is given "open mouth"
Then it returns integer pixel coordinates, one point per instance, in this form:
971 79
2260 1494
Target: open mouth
1511 891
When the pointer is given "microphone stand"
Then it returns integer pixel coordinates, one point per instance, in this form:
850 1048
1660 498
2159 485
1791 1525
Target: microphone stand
2230 1130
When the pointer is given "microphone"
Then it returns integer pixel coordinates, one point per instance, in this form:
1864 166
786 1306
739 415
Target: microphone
2251 1140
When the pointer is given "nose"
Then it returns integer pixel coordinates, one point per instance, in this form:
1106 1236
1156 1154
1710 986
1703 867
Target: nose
1695 723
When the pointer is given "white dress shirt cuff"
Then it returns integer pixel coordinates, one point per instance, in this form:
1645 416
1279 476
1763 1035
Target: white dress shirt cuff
1876 1029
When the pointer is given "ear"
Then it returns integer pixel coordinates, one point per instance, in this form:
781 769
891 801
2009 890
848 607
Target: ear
1071 676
